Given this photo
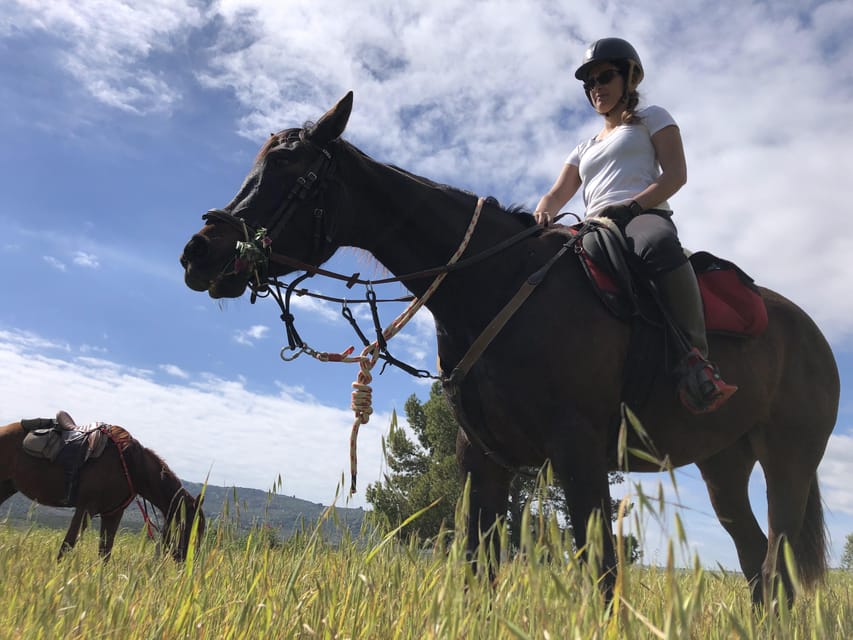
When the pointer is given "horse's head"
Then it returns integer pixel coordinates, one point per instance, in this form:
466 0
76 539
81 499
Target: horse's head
281 209
178 528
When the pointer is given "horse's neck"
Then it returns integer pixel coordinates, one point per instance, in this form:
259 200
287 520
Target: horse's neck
156 483
409 224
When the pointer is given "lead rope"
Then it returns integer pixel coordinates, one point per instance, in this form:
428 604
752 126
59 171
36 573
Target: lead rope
362 395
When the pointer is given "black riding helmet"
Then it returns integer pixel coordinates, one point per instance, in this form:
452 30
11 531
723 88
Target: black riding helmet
612 50
621 54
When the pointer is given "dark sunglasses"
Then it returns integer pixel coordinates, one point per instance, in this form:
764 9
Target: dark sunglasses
605 77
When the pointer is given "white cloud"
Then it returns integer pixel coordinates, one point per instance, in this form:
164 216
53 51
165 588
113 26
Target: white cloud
88 348
174 370
252 335
83 259
320 309
109 44
27 340
55 263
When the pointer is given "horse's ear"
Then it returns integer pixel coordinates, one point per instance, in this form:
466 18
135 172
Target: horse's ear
334 121
199 500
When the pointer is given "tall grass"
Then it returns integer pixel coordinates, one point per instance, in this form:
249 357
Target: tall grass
255 586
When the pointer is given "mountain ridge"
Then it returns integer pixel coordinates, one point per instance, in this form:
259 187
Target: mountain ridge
243 507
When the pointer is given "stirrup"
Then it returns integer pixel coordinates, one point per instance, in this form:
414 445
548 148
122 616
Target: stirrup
701 389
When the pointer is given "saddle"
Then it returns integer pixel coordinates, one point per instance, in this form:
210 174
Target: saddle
47 437
732 302
62 441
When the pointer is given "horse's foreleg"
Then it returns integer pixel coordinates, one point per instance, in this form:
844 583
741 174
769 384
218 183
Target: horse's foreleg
78 525
726 475
487 498
109 526
581 466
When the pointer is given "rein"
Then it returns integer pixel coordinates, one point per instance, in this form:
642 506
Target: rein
255 249
121 445
354 279
255 253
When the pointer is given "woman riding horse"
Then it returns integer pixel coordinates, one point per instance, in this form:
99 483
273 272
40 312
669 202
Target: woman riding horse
628 172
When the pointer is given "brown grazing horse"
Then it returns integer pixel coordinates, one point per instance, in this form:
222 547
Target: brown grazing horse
548 386
106 486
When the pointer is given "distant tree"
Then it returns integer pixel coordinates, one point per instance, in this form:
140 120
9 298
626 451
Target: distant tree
633 552
526 488
847 556
421 472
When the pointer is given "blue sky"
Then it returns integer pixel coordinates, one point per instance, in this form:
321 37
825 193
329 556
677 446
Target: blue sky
121 125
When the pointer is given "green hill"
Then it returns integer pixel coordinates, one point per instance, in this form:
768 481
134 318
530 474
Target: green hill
242 507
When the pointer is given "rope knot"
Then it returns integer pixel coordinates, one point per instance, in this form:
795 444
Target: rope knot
362 401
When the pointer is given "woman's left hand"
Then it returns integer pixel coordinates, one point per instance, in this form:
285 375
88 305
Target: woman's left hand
621 213
542 217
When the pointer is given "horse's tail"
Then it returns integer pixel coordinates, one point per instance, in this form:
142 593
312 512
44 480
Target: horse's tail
810 550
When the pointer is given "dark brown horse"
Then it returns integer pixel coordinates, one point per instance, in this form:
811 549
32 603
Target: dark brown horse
548 386
106 486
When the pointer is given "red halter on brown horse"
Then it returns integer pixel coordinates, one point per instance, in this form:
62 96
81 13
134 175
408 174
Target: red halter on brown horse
103 485
548 387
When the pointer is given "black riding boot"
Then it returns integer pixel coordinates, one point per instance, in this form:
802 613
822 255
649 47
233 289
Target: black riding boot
700 386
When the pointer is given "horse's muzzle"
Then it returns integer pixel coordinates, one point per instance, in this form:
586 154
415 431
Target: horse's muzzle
194 273
210 267
195 249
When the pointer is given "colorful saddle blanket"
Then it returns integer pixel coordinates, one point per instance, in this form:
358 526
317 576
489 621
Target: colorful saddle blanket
733 303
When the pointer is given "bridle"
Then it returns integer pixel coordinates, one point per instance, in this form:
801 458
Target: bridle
254 254
254 251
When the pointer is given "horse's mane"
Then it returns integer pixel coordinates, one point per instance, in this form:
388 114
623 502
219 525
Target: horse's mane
290 136
146 456
524 214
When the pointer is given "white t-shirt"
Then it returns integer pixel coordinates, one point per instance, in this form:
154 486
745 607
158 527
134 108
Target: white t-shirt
622 165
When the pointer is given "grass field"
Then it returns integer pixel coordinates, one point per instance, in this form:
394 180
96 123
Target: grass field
258 587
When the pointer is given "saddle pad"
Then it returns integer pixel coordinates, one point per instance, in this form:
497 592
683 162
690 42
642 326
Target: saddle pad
733 304
119 436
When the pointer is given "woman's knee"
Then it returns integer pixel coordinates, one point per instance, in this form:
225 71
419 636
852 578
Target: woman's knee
655 241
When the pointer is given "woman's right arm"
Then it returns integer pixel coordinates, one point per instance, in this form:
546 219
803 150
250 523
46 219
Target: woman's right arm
566 185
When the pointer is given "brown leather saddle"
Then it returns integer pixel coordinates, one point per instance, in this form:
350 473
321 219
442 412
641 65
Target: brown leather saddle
60 440
47 437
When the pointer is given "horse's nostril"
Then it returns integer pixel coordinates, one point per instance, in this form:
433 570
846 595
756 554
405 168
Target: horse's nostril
196 248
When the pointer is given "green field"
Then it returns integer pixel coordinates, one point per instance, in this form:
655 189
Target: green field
256 586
